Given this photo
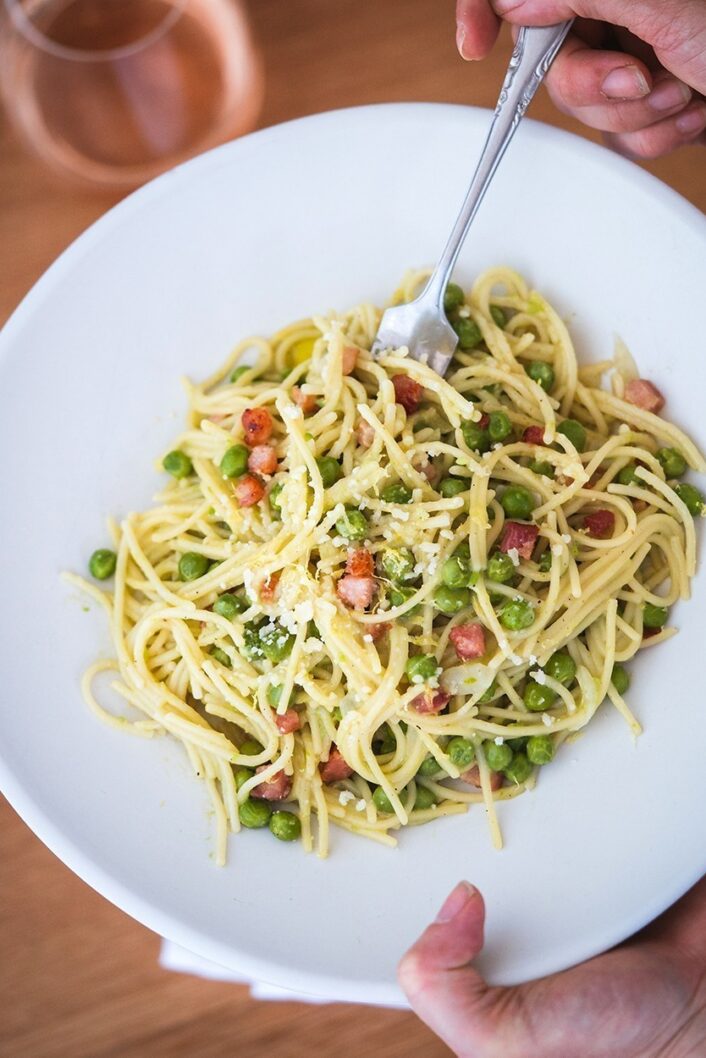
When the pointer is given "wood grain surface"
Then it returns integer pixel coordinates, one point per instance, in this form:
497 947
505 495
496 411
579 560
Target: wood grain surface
79 979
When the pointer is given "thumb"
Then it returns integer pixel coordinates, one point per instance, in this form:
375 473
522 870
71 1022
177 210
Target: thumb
675 29
445 990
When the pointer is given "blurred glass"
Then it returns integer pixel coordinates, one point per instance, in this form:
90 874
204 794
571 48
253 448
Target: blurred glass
113 92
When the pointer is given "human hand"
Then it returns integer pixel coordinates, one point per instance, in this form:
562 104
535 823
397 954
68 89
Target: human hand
644 999
632 68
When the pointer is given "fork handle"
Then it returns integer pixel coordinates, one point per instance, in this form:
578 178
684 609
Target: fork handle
534 53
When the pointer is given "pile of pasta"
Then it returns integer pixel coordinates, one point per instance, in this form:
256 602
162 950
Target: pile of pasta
370 596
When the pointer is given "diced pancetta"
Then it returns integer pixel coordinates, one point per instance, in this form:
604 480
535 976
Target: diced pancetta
356 592
644 394
277 788
248 490
468 641
257 425
519 536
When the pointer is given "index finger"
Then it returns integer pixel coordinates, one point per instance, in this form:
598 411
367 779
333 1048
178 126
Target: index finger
477 28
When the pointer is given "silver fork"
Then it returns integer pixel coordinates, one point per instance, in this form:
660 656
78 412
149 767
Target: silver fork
422 325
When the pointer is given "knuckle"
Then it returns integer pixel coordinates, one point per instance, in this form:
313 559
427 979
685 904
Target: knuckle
616 144
558 97
641 145
412 972
566 85
627 117
648 144
557 85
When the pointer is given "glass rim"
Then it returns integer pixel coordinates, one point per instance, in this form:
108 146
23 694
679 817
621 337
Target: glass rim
24 25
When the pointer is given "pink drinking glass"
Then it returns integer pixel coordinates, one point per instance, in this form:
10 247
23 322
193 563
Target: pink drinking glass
112 92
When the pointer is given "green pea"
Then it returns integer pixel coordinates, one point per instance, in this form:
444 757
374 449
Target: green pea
691 498
542 374
538 697
102 563
620 678
382 801
451 600
456 572
672 462
469 333
221 656
429 767
276 644
519 769
654 616
463 550
517 744
575 432
235 462
250 748
274 501
285 825
461 752
423 799
241 774
449 487
542 467
540 749
386 741
397 493
230 605
500 568
517 615
330 469
274 694
545 561
628 475
489 693
421 667
517 501
498 315
252 648
477 439
497 757
397 563
254 813
561 667
336 715
178 464
453 297
399 596
499 426
353 525
238 372
192 565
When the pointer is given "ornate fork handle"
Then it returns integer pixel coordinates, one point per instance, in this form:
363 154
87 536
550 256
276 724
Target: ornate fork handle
534 52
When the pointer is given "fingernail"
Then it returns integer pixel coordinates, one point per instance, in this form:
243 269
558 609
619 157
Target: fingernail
460 40
669 95
504 7
625 82
455 901
693 120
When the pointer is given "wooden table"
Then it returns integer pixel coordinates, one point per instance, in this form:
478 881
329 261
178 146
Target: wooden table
78 979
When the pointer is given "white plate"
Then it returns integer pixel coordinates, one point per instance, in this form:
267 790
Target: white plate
326 212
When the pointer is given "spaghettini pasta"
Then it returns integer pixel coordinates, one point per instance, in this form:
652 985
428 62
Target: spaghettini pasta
371 596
